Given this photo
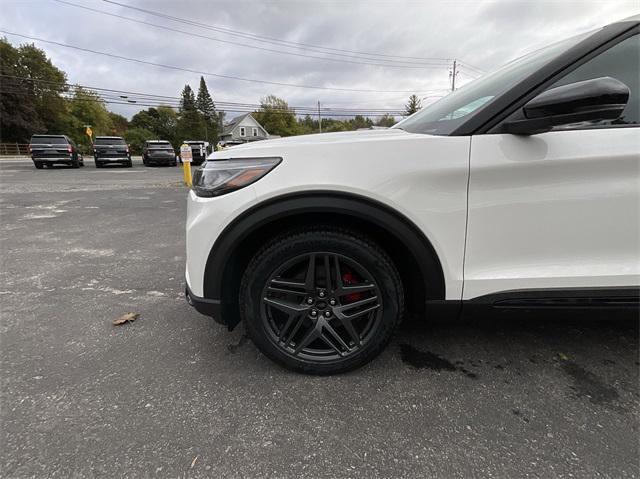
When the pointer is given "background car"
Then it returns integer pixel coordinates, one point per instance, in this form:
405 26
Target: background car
158 152
54 149
111 149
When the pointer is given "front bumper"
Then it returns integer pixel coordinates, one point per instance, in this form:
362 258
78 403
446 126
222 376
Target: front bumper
208 307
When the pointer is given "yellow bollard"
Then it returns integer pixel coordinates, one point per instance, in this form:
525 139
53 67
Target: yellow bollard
187 155
186 168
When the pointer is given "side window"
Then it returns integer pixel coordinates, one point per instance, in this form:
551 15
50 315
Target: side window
242 131
620 62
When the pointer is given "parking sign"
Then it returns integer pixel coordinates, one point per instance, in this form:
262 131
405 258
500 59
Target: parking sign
186 154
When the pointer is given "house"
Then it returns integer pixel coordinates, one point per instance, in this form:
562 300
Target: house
242 129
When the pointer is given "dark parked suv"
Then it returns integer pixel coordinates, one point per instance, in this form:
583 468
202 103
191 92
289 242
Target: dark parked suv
111 149
158 152
51 149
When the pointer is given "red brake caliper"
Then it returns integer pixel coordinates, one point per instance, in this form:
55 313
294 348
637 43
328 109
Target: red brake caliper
348 278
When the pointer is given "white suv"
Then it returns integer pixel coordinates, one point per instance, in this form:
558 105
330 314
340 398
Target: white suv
518 191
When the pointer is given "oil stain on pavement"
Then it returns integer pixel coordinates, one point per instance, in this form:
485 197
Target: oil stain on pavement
586 384
428 360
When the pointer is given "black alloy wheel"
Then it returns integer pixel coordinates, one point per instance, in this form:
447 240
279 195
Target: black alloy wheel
321 302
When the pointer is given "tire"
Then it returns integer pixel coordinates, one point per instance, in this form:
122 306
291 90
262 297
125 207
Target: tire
303 324
145 162
38 164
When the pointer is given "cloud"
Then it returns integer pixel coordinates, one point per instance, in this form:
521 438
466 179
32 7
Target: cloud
484 34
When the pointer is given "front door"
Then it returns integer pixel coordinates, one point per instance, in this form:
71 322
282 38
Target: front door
559 209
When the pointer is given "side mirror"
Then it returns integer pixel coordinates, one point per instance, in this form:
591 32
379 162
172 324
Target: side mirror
590 100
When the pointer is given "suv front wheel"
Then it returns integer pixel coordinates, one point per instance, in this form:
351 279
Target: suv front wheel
321 301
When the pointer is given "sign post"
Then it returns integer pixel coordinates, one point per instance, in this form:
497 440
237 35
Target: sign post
187 156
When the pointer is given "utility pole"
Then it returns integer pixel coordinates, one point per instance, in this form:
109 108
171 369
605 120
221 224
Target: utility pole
453 73
319 118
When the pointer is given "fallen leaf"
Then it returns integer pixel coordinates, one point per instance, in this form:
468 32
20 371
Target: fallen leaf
125 318
563 357
193 463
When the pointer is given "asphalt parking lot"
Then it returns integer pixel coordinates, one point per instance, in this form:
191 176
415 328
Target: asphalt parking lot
175 395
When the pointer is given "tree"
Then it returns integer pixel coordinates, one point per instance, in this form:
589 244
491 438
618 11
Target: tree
87 108
360 121
206 106
136 137
191 123
276 116
188 100
307 125
161 121
18 110
386 120
31 100
413 105
48 83
119 124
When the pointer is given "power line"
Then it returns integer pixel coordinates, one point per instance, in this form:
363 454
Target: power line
161 100
197 35
201 72
267 39
225 110
470 66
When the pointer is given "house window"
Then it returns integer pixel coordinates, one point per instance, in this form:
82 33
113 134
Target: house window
254 132
243 131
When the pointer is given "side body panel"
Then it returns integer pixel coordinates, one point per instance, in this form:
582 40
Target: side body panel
424 178
555 210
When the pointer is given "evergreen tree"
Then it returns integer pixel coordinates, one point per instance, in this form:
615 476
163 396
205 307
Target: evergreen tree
191 123
413 105
204 102
206 106
188 101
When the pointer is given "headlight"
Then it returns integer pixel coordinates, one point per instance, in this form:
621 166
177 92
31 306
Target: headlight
219 177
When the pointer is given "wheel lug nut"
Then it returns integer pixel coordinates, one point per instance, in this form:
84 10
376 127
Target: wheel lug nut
309 300
321 294
314 312
332 302
327 313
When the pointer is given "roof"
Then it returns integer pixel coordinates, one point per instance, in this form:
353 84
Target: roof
228 128
110 137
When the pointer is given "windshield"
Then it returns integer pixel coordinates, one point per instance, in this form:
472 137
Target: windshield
49 140
447 114
109 141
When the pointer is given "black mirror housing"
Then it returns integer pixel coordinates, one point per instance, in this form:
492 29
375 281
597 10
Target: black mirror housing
590 100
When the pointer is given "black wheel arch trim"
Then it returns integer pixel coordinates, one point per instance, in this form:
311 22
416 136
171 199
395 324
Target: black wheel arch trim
323 201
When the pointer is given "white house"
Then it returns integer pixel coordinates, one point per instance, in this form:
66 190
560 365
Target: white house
242 129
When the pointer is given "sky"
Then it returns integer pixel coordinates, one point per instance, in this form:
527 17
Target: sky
393 47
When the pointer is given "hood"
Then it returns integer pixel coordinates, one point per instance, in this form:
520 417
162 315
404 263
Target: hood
316 139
